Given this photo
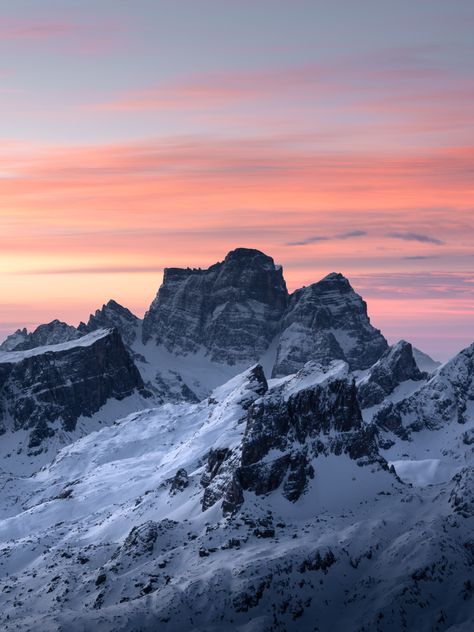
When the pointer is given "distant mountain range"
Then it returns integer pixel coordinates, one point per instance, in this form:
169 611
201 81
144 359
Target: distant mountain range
240 459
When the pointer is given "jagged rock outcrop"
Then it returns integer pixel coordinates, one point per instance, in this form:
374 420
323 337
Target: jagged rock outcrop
179 482
60 383
52 333
397 365
314 413
224 459
442 399
231 311
327 321
139 542
113 315
461 497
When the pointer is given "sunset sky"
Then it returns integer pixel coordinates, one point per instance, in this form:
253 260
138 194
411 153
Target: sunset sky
334 136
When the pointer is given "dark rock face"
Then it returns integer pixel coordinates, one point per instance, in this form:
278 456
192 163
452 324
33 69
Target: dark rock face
322 419
113 315
51 333
141 540
64 382
275 422
232 309
179 482
442 399
327 321
300 428
235 309
395 366
461 498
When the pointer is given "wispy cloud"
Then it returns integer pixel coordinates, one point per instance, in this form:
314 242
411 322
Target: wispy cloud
315 238
415 286
351 234
113 269
424 239
309 240
27 30
420 257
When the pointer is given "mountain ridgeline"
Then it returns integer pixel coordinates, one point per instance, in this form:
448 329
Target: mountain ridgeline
241 458
204 326
236 309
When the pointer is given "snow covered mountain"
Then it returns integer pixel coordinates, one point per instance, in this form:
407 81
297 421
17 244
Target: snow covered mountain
239 311
46 390
268 506
206 326
51 333
327 321
241 459
444 399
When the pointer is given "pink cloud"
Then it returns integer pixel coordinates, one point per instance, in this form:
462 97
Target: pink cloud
390 73
21 29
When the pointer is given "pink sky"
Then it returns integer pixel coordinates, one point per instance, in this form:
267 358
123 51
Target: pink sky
125 150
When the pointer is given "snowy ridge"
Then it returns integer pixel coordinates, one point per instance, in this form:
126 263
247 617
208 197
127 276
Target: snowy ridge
8 357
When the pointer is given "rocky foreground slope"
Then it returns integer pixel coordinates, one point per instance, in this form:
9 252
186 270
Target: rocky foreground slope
268 506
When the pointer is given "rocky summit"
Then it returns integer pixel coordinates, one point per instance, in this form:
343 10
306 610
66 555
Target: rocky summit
231 311
241 459
327 321
237 311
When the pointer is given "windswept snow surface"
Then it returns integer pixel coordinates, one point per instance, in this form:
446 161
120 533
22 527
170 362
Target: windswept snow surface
101 539
86 341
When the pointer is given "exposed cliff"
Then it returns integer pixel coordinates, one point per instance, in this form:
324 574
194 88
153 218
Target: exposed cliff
327 321
231 311
59 383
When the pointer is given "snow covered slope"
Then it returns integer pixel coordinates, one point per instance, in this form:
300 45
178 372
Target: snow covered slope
424 361
120 532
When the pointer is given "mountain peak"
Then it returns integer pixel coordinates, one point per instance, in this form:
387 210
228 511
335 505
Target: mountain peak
335 280
113 315
249 256
334 276
50 333
231 311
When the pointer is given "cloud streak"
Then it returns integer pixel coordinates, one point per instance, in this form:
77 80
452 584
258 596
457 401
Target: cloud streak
115 269
316 238
424 239
27 30
420 257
